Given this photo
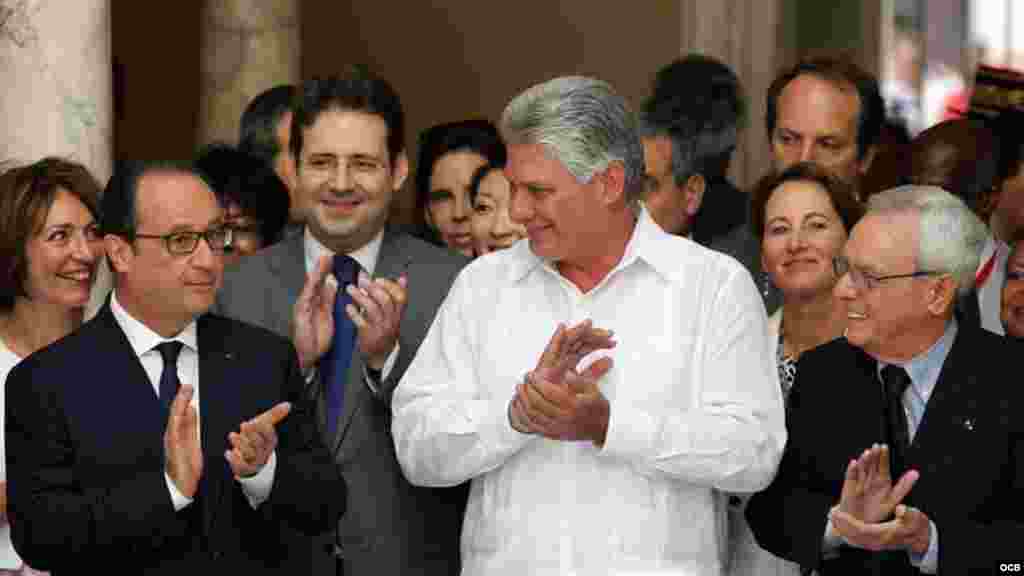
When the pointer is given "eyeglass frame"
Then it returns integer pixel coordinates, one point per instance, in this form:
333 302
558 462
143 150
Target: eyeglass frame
870 280
205 235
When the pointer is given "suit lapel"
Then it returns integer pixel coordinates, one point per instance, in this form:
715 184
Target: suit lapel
135 389
288 266
218 411
943 408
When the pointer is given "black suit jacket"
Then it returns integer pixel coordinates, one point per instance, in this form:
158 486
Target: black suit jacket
969 449
86 484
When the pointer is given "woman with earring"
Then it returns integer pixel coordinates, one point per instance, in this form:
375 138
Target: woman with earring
49 250
802 218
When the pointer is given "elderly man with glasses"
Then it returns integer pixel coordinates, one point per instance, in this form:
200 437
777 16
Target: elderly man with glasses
906 454
160 439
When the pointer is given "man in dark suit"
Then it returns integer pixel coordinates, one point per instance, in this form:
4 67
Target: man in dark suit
689 126
906 448
158 438
358 328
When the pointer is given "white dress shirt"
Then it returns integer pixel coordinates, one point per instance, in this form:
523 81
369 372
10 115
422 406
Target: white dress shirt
990 293
143 340
695 407
9 559
366 256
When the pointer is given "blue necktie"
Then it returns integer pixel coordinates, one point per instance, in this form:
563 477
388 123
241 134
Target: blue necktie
339 356
169 382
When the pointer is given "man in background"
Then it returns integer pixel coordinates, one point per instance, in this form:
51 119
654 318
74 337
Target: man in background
265 133
689 126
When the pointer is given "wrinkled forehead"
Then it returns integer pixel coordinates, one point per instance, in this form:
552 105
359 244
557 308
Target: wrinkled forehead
166 198
886 238
813 99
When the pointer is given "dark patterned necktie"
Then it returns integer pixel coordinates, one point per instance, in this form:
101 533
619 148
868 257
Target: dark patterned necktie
896 381
169 382
339 356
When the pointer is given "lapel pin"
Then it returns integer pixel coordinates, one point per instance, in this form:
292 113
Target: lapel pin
969 425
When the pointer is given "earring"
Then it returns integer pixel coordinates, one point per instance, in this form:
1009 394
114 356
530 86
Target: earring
766 284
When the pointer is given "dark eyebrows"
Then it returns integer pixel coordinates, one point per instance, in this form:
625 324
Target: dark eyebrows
367 158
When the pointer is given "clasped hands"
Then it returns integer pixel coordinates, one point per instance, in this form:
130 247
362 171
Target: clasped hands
376 310
869 499
556 399
251 446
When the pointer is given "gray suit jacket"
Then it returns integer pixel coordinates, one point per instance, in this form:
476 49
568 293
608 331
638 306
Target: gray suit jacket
390 526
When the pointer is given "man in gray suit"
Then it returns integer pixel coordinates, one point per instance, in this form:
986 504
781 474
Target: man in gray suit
357 330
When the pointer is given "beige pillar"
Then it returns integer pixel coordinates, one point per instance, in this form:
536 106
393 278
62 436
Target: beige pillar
743 35
56 97
247 47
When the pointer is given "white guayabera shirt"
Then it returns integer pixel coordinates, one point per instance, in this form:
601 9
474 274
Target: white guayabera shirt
695 409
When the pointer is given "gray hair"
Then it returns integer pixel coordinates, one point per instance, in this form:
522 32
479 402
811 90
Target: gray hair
951 237
583 123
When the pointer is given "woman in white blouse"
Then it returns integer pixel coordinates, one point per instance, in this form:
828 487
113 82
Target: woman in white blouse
802 218
49 250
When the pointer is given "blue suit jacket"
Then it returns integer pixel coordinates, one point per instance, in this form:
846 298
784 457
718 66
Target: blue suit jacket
86 487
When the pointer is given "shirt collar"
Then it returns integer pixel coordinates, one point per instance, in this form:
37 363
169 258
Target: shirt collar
987 250
648 242
925 367
366 255
141 338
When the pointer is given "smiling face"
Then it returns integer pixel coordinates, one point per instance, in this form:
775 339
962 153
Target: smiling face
890 320
62 255
1012 312
493 228
565 220
347 178
448 209
802 233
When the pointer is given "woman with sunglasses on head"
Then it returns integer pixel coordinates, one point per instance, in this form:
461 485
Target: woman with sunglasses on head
802 217
49 250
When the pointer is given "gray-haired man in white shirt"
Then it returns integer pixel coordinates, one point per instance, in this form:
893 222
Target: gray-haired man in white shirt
597 450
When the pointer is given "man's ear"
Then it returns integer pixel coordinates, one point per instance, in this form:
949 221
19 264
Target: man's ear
400 171
942 295
694 189
119 252
613 179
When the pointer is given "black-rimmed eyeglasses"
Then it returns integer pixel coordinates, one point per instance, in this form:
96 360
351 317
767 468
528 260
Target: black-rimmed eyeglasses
865 281
185 242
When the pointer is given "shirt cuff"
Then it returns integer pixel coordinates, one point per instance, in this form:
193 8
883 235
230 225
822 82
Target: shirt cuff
630 432
178 500
831 542
928 563
372 383
257 487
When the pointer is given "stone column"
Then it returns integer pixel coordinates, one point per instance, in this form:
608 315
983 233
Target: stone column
247 47
56 98
743 35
